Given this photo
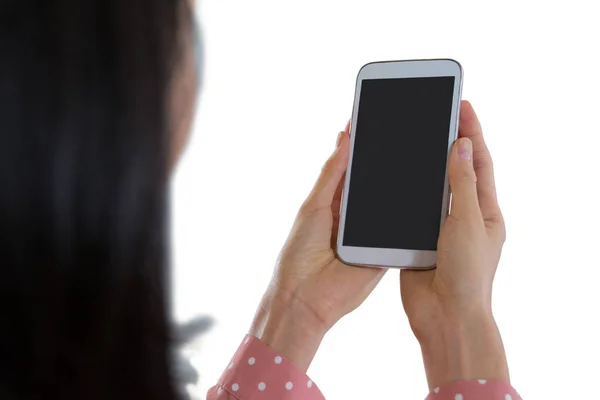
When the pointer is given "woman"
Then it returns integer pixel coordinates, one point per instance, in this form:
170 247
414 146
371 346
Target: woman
96 99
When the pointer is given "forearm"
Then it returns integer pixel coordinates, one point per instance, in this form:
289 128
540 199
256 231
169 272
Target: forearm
289 328
468 348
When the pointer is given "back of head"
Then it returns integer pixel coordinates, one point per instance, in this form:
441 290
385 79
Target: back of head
84 148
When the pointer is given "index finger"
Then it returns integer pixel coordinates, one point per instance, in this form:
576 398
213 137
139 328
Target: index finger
469 127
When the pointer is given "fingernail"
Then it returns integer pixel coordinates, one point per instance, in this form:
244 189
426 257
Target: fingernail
339 139
465 149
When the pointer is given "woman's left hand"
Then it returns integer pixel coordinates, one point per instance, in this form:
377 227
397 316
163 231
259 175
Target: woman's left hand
311 288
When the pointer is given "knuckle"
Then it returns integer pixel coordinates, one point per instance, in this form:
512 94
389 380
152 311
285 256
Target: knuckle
464 217
501 230
482 159
468 176
498 228
463 176
328 166
310 206
307 207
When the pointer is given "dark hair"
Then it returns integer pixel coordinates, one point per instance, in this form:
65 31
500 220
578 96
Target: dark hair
84 161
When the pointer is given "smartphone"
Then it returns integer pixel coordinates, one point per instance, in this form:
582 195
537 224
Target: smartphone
396 194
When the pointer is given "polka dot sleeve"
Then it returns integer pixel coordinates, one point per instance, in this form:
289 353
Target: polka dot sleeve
257 372
475 390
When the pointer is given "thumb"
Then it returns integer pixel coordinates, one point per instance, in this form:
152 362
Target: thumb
463 181
331 174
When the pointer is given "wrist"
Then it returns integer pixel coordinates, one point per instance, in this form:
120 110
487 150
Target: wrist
463 348
290 328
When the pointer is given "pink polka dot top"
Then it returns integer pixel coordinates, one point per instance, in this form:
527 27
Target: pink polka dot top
257 372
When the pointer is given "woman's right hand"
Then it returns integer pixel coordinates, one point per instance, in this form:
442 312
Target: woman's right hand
449 308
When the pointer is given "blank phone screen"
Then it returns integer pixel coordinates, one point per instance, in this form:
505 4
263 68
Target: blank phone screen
399 160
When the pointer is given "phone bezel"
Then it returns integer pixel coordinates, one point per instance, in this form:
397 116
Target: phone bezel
399 258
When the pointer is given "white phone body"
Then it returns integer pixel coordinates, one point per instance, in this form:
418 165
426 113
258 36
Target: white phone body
399 257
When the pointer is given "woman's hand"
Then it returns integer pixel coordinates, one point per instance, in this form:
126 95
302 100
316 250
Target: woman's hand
449 308
311 289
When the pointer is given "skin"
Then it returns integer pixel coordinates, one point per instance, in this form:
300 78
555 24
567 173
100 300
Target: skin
449 308
311 288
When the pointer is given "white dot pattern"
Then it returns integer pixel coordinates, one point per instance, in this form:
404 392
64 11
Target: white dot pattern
256 371
474 390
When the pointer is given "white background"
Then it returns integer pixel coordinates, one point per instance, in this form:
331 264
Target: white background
279 86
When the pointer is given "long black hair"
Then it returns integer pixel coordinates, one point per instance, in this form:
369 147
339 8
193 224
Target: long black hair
84 159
